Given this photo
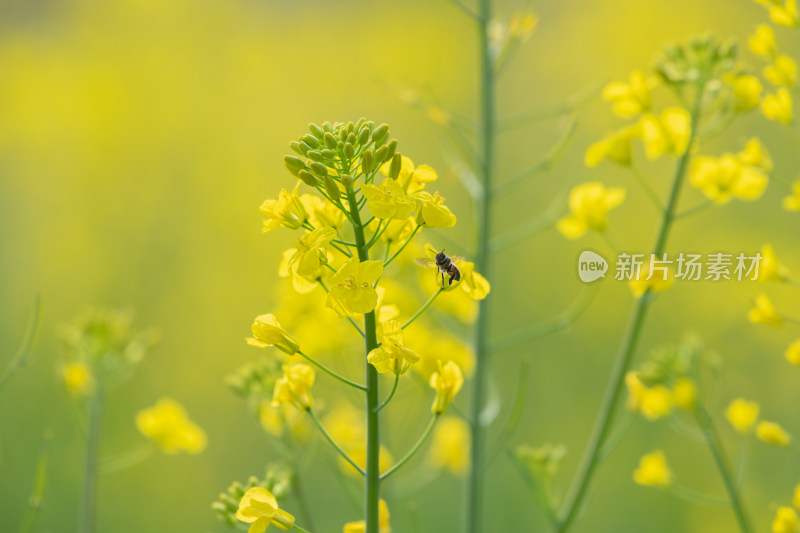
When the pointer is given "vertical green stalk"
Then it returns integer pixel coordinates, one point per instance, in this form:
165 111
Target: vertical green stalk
475 483
723 465
629 344
86 520
372 477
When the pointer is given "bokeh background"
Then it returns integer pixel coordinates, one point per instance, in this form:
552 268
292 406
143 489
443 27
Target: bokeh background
138 137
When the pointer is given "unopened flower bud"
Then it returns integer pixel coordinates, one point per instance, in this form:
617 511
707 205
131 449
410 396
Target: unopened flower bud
363 135
330 140
351 138
381 155
314 155
349 151
347 181
319 169
366 162
331 188
294 164
392 148
308 178
395 166
299 148
316 130
380 134
310 140
328 154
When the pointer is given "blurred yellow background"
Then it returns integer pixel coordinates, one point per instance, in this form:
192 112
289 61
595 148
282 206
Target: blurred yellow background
138 137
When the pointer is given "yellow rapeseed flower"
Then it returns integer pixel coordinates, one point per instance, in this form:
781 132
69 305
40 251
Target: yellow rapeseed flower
764 312
793 353
392 355
773 433
615 146
361 525
782 71
684 393
322 212
756 155
762 42
267 331
657 283
450 447
446 381
351 290
412 179
742 415
653 470
433 213
476 286
259 508
778 106
784 14
294 387
78 378
770 268
287 211
746 92
589 204
311 253
652 402
666 134
786 521
726 177
169 426
631 98
388 200
792 202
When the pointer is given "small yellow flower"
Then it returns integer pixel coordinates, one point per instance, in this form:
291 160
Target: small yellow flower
756 155
287 268
433 213
361 525
762 42
392 355
793 353
446 381
267 331
726 177
169 426
322 212
792 202
764 312
589 205
295 386
747 92
667 134
287 211
475 285
657 283
778 106
785 14
412 179
388 200
783 71
655 402
742 415
786 521
450 447
772 433
277 419
78 378
684 393
631 98
521 25
615 146
653 470
311 254
351 290
770 268
259 508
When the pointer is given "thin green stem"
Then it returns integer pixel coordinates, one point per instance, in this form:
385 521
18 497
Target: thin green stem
723 465
414 449
20 359
694 210
652 195
332 373
692 496
125 459
403 247
391 394
86 522
35 500
332 442
300 529
422 309
573 501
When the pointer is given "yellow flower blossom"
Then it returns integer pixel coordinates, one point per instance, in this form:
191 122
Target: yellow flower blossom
615 146
772 433
778 106
786 521
684 393
783 71
259 508
742 415
392 355
631 98
388 200
764 312
361 525
351 290
476 286
793 353
792 202
294 387
78 378
446 381
652 402
666 134
449 449
784 14
433 213
287 211
657 283
726 177
521 25
288 269
653 470
169 426
762 42
310 254
746 92
321 212
412 179
589 205
770 268
267 331
756 155
277 419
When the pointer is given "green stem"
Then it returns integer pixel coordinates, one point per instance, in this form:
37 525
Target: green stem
391 394
300 529
332 442
372 477
86 522
125 459
332 373
692 496
35 501
475 483
422 309
575 496
21 357
413 450
723 465
403 247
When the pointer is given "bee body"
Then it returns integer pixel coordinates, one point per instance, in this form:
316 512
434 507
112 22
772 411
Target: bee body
446 266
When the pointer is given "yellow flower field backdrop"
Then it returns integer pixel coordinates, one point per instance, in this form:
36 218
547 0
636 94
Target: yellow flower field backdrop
138 140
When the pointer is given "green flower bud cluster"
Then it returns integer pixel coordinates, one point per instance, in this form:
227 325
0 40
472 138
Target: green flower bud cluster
702 59
540 462
255 380
669 363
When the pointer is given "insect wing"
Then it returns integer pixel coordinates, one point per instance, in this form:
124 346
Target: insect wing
425 262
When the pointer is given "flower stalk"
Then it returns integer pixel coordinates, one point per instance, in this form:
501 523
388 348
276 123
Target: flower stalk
86 521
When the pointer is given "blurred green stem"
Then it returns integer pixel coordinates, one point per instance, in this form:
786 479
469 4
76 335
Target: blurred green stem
413 450
35 501
574 500
476 483
21 357
86 520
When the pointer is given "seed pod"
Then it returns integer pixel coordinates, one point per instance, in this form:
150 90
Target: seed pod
332 188
366 162
308 178
314 155
294 164
330 140
319 169
349 151
316 130
395 166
